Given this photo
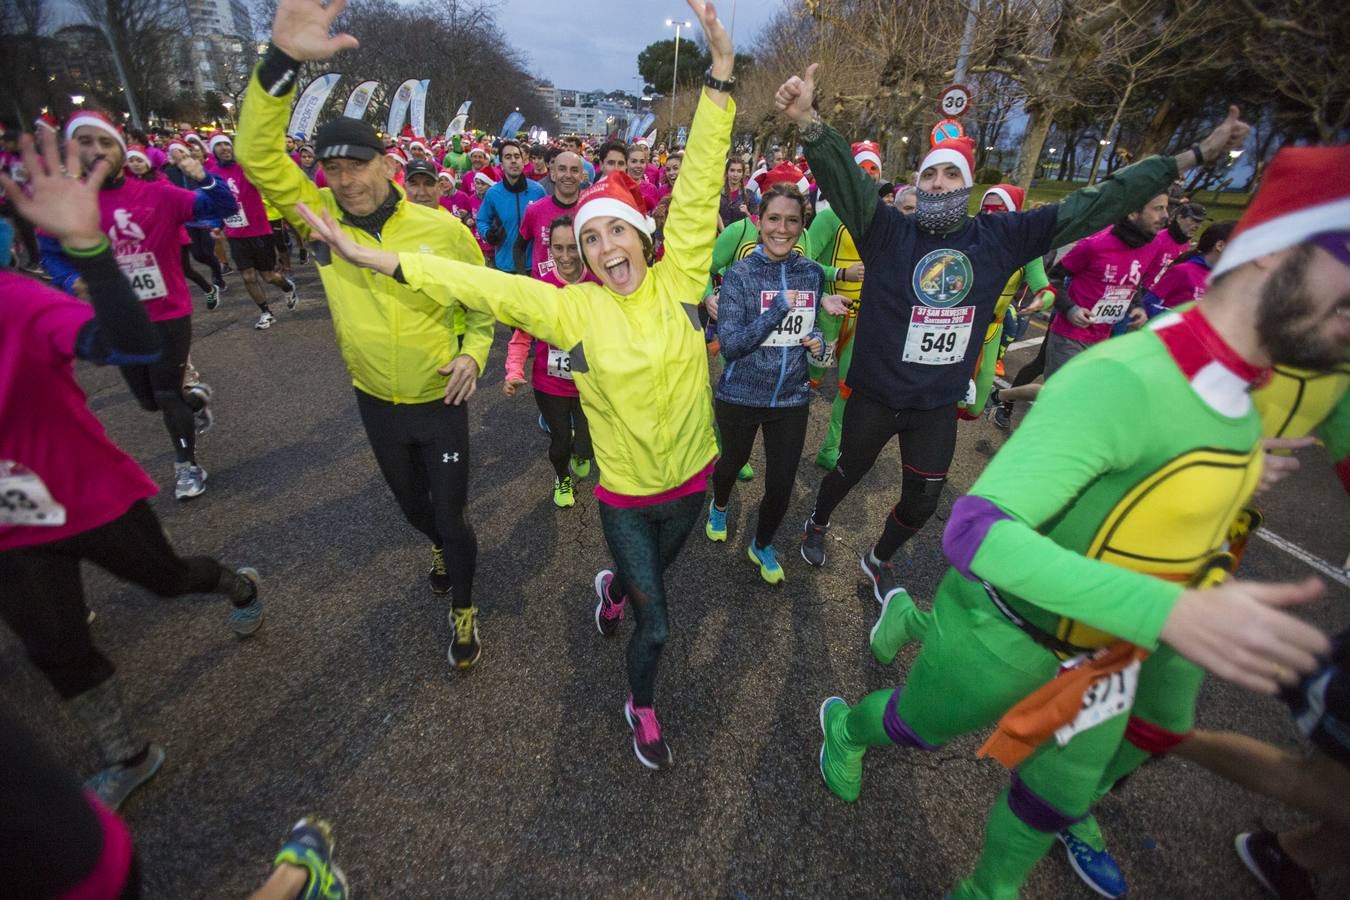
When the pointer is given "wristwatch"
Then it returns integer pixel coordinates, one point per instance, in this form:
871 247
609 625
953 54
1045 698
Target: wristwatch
717 84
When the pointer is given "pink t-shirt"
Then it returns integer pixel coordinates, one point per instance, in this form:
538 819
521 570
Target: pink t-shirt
654 173
250 220
144 221
1183 283
1166 248
534 227
459 204
49 431
650 195
1106 274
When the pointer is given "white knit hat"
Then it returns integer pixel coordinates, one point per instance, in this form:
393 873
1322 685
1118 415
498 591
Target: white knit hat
614 195
91 118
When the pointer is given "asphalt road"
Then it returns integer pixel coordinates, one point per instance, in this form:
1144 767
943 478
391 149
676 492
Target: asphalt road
517 778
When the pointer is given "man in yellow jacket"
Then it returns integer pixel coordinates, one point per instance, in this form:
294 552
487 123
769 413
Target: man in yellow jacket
414 358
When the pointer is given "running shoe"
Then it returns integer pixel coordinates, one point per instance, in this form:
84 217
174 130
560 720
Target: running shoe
289 294
581 467
309 845
244 620
438 576
563 495
885 575
716 529
213 297
890 633
1261 853
114 784
840 763
813 542
608 614
1097 868
998 368
465 648
226 269
264 321
767 560
189 481
1002 416
827 461
747 473
649 746
302 254
221 287
543 425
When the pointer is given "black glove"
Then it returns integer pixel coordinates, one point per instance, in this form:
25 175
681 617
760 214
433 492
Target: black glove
496 233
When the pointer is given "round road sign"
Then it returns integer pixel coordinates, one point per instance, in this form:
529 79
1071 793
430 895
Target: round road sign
945 131
954 101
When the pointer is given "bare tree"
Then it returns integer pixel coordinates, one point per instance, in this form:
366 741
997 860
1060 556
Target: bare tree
1303 48
140 35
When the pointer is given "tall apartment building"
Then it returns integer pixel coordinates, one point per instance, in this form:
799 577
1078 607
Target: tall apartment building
220 47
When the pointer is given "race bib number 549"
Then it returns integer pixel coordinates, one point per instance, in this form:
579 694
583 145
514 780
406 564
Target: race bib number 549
938 337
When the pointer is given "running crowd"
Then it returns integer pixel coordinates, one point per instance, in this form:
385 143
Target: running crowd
1092 564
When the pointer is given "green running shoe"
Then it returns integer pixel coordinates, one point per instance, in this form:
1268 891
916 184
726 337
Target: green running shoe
840 764
581 467
767 560
716 529
563 495
891 632
309 845
747 473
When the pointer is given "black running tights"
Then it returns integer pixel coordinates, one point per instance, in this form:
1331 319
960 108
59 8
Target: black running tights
203 248
158 386
569 432
784 435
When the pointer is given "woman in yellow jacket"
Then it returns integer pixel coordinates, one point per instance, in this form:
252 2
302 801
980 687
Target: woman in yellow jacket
639 363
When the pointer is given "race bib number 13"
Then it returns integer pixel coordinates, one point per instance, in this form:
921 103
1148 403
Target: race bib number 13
559 363
938 337
797 324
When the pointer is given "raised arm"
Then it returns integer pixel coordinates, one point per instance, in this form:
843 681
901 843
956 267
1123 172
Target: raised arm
852 195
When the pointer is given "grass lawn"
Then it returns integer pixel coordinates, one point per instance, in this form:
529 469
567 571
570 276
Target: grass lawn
1222 207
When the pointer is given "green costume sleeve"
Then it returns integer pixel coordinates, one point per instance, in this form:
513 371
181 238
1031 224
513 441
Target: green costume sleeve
820 239
1034 273
1037 475
724 248
851 192
1335 430
1090 209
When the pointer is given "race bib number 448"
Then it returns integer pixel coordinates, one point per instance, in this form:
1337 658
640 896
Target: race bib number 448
797 324
938 337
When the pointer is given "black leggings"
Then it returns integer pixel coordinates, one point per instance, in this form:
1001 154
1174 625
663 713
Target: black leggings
1036 368
927 442
563 414
203 249
185 259
43 599
51 837
423 452
158 386
644 541
784 435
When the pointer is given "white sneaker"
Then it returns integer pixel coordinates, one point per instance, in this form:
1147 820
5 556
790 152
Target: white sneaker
189 481
291 298
265 321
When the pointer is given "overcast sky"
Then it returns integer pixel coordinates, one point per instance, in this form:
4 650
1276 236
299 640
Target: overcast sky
588 46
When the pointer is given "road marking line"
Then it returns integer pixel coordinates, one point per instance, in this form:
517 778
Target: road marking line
1335 573
1029 342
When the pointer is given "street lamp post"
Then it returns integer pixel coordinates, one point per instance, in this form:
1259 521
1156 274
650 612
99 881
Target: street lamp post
228 114
675 73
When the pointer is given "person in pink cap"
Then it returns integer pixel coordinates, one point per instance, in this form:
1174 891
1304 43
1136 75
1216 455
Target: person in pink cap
144 221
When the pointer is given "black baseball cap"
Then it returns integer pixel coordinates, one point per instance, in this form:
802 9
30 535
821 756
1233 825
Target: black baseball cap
420 167
349 138
1192 210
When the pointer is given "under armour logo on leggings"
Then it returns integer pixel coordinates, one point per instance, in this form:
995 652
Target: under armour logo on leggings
449 457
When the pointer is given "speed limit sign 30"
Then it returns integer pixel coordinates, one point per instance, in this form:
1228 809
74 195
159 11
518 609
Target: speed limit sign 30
954 100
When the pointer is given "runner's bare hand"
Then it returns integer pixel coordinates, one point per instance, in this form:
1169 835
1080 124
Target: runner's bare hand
1230 135
1078 317
710 304
512 385
719 42
835 305
1238 631
300 29
59 203
325 228
463 374
814 345
1278 467
192 168
795 95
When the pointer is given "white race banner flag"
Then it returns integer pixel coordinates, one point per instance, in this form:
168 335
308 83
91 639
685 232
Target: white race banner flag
307 108
398 107
460 121
359 101
419 108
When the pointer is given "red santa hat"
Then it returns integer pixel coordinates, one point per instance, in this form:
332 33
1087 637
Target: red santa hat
615 195
783 172
94 119
867 155
959 152
485 176
218 139
193 138
138 152
420 142
1011 195
396 154
479 148
46 120
178 145
1305 193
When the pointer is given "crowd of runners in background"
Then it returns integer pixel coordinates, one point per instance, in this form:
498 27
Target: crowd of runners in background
1091 582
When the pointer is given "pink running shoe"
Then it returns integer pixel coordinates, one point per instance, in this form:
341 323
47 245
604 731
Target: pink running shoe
651 749
608 614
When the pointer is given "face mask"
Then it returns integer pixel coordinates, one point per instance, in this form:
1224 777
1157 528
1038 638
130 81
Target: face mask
941 212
